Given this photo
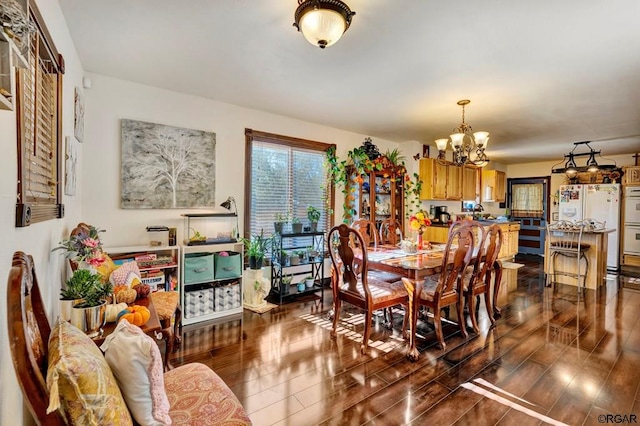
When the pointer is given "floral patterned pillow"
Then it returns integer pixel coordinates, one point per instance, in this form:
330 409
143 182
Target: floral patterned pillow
80 382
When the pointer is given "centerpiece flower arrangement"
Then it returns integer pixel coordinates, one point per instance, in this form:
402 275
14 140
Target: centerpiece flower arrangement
84 245
419 223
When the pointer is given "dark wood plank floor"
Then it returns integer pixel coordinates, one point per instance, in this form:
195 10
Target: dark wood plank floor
552 358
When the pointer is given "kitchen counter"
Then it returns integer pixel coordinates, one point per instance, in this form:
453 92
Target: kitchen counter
596 256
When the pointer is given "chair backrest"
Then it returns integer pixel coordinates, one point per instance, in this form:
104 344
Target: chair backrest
367 230
29 332
453 268
488 251
390 232
566 236
346 268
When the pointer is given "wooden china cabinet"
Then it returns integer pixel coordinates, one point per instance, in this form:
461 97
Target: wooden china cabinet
376 196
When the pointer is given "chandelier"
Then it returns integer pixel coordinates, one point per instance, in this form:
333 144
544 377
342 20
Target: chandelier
468 147
322 22
571 169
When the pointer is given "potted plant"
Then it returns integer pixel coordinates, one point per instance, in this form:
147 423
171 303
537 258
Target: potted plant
256 249
284 258
83 247
313 215
296 225
308 281
279 221
294 259
285 283
88 314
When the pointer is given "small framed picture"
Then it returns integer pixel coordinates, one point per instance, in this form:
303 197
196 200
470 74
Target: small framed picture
425 151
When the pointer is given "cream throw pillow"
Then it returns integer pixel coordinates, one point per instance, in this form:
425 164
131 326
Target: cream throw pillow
136 363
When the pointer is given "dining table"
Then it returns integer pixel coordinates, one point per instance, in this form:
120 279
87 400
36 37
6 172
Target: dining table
416 266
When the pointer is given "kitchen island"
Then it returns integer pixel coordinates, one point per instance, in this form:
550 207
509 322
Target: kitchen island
438 233
596 256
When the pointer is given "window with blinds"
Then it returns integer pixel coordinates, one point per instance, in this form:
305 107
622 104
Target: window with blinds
284 175
39 95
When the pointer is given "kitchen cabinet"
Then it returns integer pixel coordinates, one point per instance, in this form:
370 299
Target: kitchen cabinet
469 183
376 196
494 184
631 175
436 234
440 181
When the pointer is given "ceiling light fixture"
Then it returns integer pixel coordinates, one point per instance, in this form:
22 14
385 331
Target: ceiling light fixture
468 147
570 168
322 22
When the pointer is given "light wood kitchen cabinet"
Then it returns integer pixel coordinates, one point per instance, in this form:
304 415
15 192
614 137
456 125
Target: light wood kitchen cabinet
454 183
440 181
631 175
494 184
436 234
469 183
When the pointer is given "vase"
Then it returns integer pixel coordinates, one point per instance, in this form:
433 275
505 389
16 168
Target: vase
419 242
66 306
90 320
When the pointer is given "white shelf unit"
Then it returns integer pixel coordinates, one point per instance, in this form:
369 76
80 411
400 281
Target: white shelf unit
209 285
169 268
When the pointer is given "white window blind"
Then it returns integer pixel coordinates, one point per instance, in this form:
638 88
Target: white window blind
285 177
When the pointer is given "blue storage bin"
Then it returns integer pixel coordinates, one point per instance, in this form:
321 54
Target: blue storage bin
228 266
198 268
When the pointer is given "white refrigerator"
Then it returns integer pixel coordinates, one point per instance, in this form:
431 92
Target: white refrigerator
600 202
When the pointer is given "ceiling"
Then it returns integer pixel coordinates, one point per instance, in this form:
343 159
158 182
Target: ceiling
540 75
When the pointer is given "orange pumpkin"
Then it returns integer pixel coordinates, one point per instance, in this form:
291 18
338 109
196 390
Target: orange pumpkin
135 314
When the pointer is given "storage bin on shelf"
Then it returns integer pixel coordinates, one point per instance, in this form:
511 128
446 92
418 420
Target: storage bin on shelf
227 266
198 267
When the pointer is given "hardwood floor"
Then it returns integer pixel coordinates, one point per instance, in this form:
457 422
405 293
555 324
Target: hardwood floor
552 358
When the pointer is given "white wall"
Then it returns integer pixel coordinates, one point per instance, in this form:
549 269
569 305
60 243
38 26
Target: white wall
110 100
37 239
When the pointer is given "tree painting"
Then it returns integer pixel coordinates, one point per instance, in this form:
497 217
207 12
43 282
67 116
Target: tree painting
165 167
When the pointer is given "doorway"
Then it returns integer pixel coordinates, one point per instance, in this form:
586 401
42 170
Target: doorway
528 201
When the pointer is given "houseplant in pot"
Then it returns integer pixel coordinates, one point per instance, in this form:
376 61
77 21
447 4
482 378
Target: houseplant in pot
89 313
256 249
84 247
296 225
313 215
279 221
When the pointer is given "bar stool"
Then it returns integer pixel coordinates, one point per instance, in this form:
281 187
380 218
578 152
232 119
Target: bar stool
565 239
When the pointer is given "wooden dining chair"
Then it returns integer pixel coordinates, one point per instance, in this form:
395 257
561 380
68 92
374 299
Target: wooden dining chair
479 281
368 231
352 283
390 232
444 288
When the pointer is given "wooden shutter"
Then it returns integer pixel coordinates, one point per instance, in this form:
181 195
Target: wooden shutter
39 118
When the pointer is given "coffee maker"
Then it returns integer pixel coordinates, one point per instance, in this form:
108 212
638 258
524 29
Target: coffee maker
441 215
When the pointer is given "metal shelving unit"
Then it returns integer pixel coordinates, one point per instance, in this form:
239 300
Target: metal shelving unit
311 265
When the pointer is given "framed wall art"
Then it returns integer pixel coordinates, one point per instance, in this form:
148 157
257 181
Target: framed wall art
166 167
70 162
78 116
